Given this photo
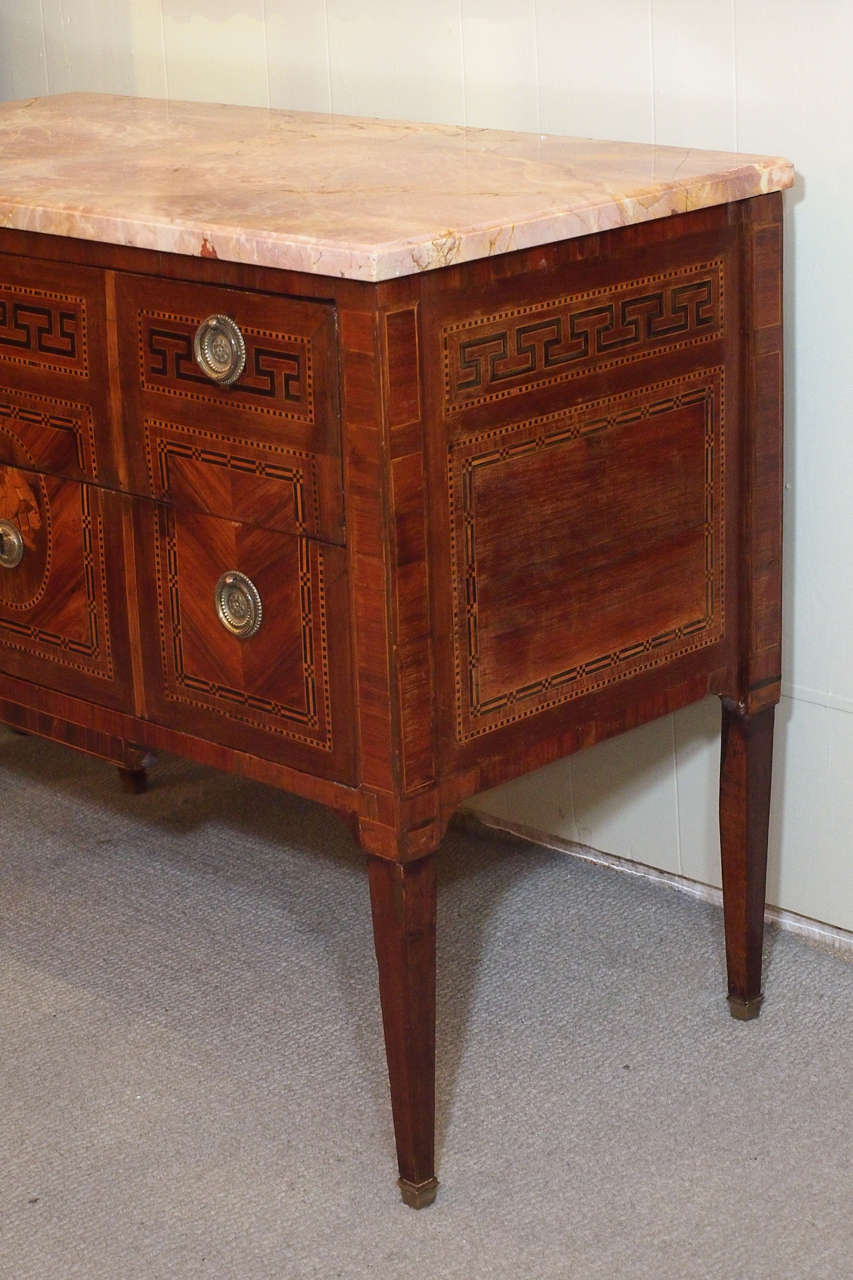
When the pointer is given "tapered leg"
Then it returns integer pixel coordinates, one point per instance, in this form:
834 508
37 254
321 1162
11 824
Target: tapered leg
403 900
745 769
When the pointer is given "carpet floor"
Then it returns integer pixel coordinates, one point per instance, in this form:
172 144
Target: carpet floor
192 1078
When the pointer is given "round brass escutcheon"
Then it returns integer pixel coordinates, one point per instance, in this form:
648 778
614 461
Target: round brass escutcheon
238 604
11 545
220 350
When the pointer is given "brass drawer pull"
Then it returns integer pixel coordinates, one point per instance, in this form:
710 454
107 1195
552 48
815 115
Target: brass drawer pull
220 350
238 604
11 545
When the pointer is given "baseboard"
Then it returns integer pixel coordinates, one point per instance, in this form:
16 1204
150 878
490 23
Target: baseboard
826 936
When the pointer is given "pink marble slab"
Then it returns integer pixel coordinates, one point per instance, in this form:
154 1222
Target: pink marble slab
335 195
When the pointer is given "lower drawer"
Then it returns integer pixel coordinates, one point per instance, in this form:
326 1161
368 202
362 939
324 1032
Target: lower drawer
245 637
63 608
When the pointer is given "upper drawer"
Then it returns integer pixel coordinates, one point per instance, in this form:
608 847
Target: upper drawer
54 383
51 319
223 448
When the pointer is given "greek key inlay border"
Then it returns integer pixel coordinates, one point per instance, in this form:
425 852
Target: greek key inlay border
243 395
559 339
42 347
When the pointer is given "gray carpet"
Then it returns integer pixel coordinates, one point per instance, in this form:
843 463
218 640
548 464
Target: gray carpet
193 1082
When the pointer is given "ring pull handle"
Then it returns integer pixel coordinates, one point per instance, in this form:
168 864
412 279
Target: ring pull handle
238 604
220 350
11 545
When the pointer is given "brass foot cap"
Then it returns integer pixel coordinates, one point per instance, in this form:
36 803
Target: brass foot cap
418 1195
744 1010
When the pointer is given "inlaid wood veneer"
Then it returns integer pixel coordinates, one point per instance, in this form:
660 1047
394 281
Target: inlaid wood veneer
451 454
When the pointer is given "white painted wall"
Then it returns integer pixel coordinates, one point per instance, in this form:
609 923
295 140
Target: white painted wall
755 75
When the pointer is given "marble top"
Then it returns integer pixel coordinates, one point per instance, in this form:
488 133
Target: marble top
335 195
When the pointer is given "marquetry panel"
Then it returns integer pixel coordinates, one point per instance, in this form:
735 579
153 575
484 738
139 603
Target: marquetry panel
43 328
47 433
266 484
278 378
58 605
281 415
272 692
587 547
288 348
522 348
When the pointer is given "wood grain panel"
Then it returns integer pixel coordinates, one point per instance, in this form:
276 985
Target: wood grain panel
51 714
45 432
402 365
650 670
367 521
761 540
410 576
62 609
414 659
588 546
273 692
270 484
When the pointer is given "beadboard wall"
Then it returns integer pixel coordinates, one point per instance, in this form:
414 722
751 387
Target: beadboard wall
755 75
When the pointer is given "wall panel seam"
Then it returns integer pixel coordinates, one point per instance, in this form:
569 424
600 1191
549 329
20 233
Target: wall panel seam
44 46
817 697
164 52
328 56
652 77
677 796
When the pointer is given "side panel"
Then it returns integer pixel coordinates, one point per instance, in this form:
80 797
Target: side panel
584 404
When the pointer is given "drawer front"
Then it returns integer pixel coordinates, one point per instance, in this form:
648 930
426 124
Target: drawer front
62 602
53 370
48 433
198 443
269 483
283 693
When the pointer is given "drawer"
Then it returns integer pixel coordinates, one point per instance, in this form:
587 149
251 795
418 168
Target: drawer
271 437
54 379
62 600
267 483
285 691
48 433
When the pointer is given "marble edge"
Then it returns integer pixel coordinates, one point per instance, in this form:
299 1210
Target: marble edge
405 257
375 263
